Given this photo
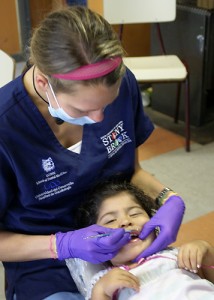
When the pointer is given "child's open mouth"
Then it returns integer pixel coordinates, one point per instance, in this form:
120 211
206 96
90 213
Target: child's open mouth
134 235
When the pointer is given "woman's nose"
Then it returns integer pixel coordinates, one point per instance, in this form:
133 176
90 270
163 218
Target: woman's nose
97 115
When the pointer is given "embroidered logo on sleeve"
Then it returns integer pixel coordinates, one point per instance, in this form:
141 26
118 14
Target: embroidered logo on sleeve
115 139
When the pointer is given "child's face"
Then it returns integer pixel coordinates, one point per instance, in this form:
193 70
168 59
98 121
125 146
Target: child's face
121 211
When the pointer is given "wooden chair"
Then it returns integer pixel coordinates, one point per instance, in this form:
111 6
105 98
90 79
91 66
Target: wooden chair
7 68
152 69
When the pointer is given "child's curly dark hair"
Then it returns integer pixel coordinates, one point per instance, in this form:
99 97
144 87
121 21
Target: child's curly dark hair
88 212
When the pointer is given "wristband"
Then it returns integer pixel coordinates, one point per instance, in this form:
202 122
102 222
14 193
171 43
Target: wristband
162 196
52 247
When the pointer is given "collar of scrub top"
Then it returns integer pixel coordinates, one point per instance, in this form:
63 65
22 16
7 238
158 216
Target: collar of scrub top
92 71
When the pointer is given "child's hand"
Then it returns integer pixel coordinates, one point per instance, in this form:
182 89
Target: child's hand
193 254
112 281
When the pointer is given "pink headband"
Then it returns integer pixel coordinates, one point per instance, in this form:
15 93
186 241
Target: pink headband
92 71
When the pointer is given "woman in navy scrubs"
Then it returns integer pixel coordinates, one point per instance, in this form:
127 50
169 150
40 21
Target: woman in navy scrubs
73 118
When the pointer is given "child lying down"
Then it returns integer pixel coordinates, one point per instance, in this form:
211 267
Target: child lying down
184 273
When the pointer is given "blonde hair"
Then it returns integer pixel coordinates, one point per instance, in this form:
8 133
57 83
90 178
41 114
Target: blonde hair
72 37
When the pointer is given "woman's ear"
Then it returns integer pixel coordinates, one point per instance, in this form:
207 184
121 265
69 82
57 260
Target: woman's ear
41 81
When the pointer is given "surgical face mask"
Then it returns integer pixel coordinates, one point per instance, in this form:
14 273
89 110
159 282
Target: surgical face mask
61 114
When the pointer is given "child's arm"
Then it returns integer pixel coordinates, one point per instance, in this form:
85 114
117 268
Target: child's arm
115 279
197 255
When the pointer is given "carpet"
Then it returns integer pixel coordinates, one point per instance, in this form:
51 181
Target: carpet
188 173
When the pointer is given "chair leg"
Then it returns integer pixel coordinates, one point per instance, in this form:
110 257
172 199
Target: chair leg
187 110
178 96
187 113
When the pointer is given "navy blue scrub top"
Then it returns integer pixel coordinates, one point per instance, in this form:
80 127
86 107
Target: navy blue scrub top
42 183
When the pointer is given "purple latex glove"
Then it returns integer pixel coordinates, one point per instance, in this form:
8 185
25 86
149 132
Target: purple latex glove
168 218
83 244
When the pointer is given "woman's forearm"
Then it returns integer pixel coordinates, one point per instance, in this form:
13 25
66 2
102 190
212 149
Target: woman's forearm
146 181
21 247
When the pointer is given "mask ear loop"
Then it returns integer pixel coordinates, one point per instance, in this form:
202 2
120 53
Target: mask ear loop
48 99
58 120
52 91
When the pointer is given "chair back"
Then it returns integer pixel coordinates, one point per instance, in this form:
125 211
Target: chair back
7 68
139 11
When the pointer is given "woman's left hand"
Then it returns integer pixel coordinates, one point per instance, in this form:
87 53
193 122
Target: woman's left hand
168 219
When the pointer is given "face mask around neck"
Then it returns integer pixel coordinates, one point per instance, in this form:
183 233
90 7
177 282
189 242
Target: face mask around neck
61 114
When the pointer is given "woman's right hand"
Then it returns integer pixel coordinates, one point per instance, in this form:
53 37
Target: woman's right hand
85 244
114 280
168 219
